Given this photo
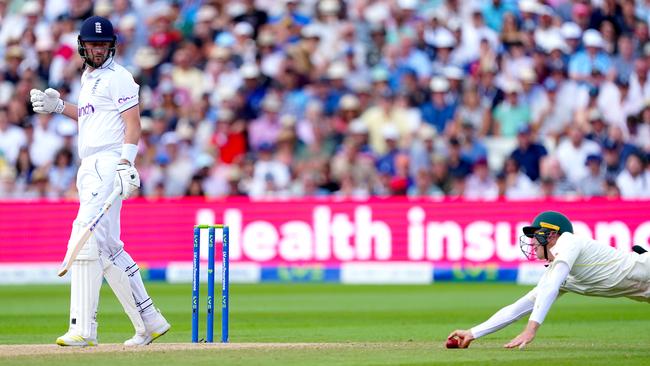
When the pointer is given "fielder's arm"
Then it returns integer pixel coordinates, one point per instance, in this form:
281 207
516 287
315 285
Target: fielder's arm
548 290
499 320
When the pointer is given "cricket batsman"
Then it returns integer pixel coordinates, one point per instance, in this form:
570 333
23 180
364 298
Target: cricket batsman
575 264
108 117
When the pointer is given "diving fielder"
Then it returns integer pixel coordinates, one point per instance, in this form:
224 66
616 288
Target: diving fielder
108 117
575 264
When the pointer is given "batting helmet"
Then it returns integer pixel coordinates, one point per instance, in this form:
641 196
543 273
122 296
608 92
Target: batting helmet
552 220
96 29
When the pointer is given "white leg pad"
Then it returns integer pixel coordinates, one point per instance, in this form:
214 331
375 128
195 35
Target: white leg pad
85 284
90 250
123 260
119 282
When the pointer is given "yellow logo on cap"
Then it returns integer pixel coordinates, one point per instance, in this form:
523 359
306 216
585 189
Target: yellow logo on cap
549 226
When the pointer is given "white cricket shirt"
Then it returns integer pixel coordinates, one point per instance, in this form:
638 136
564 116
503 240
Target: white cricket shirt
595 269
104 94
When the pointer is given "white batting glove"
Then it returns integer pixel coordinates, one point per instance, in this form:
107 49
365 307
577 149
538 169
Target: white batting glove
127 180
46 102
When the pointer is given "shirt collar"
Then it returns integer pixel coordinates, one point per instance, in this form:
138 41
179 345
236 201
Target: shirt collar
108 64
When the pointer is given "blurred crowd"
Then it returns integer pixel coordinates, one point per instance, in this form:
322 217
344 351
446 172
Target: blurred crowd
346 98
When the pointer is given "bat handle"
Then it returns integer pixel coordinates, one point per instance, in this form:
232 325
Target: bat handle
111 199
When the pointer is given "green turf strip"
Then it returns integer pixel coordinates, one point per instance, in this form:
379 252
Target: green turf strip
384 324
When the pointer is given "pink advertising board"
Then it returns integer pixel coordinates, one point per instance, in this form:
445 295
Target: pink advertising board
324 232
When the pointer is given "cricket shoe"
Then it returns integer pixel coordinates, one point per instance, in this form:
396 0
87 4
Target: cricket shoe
154 329
75 341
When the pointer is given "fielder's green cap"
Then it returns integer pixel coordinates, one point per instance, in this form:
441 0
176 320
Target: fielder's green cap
551 220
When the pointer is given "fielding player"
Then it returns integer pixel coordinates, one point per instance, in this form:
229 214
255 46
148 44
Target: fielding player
576 264
109 129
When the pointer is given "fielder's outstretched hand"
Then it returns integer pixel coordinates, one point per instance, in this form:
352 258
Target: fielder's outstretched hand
465 337
521 340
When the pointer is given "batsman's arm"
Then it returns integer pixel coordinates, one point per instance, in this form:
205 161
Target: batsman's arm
70 110
132 134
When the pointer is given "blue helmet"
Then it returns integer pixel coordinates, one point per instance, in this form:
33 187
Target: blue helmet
96 29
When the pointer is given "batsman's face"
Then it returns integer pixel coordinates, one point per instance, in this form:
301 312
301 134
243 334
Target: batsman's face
97 51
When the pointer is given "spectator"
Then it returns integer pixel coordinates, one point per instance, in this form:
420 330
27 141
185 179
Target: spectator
195 188
480 184
510 114
457 165
226 77
422 149
597 128
438 112
472 149
624 62
641 135
591 58
386 114
265 129
271 177
594 183
554 179
517 184
440 174
551 117
528 153
46 142
62 173
472 111
611 190
24 168
12 137
572 153
634 180
386 162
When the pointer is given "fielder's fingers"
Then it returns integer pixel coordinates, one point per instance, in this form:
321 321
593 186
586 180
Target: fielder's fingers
453 334
512 343
522 345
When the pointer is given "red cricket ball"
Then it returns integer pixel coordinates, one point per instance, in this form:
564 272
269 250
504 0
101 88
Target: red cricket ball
452 343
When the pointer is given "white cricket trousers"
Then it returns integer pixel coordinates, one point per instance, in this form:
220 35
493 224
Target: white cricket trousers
95 183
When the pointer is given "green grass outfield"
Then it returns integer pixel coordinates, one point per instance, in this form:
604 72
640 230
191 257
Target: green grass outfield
318 324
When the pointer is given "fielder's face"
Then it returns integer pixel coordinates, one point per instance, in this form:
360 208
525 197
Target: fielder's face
539 249
97 52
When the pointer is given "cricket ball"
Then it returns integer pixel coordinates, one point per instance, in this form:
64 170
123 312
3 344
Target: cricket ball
452 343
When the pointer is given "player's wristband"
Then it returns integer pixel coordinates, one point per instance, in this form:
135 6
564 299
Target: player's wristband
129 151
60 106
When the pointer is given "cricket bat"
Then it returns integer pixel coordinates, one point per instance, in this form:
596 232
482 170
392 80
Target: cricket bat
84 235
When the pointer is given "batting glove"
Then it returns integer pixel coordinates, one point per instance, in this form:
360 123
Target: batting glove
127 180
46 102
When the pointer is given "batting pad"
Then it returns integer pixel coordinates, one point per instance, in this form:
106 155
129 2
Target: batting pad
89 251
124 262
85 283
119 282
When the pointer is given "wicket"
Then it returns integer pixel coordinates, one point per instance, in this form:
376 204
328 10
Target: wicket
225 283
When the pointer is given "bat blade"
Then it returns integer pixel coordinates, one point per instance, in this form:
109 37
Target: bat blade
71 255
75 247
